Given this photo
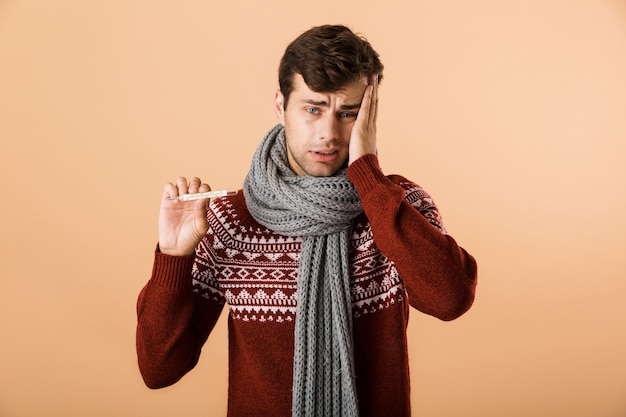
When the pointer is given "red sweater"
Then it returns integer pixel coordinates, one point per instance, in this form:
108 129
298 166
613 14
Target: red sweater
400 255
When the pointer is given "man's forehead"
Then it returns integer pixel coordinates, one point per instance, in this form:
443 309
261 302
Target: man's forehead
350 91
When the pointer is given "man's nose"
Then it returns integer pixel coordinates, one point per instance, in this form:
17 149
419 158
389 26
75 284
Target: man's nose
328 128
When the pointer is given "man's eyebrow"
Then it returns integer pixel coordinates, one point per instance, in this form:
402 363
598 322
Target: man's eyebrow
321 103
350 106
324 103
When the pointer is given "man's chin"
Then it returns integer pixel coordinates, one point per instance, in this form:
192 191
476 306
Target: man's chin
319 169
325 171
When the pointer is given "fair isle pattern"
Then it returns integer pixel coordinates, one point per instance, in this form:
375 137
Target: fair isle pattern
254 270
420 199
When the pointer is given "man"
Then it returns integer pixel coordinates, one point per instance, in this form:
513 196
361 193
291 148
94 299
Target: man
318 257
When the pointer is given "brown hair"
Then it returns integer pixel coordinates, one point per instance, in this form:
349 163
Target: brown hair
328 57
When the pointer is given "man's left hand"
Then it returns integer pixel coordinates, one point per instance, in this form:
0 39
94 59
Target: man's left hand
363 137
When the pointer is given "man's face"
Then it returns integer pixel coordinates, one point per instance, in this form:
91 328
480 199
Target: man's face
318 126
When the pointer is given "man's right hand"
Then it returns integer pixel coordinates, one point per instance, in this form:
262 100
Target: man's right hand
182 224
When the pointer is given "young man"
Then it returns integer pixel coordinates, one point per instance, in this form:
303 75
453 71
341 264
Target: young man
318 258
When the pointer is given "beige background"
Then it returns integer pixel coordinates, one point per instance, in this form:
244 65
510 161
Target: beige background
511 114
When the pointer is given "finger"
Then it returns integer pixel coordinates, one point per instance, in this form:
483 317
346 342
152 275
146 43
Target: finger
194 185
203 204
375 100
204 188
181 183
169 190
364 111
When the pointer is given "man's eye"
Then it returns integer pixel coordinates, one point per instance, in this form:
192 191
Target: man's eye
347 115
312 110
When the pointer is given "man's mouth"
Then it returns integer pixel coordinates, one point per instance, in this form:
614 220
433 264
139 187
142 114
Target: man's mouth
325 156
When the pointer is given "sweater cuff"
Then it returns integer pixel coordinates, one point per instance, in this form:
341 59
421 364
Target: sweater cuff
173 272
365 174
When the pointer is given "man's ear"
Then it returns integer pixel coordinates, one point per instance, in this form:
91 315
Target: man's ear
279 106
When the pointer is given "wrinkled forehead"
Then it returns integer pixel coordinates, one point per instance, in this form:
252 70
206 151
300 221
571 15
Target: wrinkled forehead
350 91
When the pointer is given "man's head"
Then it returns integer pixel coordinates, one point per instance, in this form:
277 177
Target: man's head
323 75
328 58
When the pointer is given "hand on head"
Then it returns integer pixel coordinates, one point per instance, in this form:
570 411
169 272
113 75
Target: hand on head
363 137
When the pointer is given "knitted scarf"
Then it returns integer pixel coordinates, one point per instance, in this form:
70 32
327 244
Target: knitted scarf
320 211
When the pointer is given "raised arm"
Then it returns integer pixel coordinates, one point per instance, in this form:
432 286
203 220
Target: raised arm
439 276
172 321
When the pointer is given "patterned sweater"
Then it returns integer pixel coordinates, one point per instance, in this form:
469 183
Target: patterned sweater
400 255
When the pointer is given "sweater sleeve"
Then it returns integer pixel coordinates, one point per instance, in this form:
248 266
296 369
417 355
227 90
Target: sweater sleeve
173 322
439 276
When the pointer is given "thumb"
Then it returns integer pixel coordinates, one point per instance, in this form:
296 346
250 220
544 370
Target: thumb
201 206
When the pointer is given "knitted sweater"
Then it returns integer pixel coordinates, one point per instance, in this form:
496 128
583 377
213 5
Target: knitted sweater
400 255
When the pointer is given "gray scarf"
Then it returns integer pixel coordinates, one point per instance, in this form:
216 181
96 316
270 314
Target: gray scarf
320 210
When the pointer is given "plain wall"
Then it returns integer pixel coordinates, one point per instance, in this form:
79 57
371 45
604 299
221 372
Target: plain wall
511 114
